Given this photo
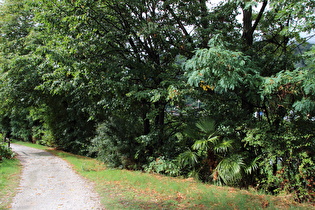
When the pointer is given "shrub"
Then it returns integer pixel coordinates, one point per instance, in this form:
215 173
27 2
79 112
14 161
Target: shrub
5 151
115 143
163 166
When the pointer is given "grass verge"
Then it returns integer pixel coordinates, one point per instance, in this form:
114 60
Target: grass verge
9 180
122 189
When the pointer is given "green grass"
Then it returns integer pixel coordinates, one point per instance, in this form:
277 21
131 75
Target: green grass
9 179
36 146
122 189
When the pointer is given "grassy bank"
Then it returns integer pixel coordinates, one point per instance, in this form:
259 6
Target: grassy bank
122 189
9 180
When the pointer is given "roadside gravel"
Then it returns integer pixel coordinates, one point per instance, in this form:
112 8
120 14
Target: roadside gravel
48 182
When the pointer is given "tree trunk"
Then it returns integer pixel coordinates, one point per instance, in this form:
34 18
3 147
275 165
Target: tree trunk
204 22
146 121
247 26
159 118
160 121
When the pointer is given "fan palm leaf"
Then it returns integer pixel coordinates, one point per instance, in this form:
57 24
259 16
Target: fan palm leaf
230 169
188 158
205 144
223 146
207 126
252 166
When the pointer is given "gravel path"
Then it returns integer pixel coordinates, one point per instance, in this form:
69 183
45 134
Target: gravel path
48 182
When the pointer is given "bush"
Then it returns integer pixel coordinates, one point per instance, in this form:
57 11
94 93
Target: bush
115 143
5 151
286 160
163 166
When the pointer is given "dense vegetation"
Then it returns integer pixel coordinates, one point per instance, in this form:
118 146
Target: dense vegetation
175 87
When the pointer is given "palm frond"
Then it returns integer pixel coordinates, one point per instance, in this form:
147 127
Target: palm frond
230 169
223 146
252 166
206 126
188 158
202 144
213 139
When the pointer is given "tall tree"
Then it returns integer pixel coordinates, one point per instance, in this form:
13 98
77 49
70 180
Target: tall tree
18 68
128 58
233 75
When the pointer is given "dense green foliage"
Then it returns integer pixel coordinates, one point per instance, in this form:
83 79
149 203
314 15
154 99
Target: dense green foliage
174 87
5 152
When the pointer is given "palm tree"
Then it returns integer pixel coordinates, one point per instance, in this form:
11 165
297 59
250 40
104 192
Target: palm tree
220 155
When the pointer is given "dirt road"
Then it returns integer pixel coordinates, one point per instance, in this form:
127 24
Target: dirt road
48 182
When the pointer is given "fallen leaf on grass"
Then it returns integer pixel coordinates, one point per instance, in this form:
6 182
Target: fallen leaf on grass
180 197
